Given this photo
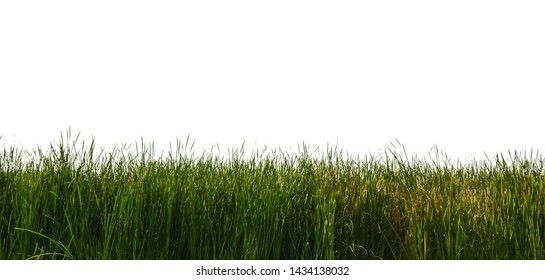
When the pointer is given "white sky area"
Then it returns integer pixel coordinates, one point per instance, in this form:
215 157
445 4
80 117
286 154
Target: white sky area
466 75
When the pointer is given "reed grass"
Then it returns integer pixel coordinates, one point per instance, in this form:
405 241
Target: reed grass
75 201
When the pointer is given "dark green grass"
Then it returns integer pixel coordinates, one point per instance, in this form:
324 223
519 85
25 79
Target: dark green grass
74 201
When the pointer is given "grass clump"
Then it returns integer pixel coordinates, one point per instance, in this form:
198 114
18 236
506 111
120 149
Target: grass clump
73 201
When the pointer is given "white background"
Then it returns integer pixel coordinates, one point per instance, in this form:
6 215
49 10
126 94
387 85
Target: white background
467 75
407 270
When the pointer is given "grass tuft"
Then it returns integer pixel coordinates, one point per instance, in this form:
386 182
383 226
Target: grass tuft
75 201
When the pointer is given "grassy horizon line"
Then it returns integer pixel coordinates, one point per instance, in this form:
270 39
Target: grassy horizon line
186 148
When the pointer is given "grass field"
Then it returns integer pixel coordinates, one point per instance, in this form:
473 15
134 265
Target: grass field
73 200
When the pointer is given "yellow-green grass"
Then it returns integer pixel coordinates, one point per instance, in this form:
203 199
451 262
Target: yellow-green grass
75 201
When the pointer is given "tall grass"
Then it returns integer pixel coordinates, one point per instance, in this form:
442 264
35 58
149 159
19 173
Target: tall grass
74 201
